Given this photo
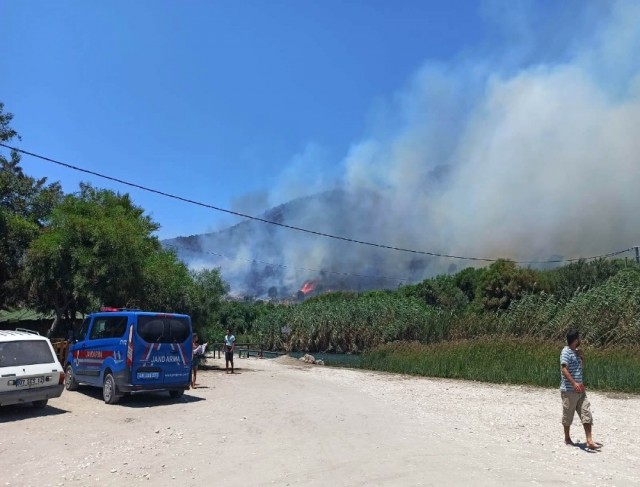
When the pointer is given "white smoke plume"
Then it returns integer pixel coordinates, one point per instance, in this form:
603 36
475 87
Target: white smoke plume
546 160
484 160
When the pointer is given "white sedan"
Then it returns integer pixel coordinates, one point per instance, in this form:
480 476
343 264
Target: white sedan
29 369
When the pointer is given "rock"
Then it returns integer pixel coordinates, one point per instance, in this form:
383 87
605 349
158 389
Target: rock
319 362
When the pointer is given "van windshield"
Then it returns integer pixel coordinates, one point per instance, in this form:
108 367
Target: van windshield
25 352
163 329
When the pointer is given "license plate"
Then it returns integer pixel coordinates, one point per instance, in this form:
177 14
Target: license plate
31 381
148 375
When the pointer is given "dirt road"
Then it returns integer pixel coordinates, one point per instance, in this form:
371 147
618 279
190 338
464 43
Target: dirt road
277 422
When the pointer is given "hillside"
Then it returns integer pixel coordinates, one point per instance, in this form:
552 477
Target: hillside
262 260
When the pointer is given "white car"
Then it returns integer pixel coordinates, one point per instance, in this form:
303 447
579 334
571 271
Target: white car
29 369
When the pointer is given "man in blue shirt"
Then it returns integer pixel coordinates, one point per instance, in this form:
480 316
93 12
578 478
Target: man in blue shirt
229 347
574 397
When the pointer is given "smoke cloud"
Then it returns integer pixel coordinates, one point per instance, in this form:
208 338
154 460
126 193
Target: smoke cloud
483 159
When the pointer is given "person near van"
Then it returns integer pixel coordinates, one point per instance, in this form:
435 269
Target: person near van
195 361
574 397
229 347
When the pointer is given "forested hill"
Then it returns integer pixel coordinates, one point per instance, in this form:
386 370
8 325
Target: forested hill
262 260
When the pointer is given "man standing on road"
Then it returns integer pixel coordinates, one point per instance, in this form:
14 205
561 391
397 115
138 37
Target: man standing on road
229 347
574 397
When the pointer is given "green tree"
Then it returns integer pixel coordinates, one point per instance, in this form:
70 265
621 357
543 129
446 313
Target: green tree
25 206
439 292
580 276
167 283
504 282
205 295
92 252
468 281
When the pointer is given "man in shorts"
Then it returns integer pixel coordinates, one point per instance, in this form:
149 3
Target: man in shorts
574 397
229 347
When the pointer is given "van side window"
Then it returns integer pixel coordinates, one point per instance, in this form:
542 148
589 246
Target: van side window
82 335
108 327
160 329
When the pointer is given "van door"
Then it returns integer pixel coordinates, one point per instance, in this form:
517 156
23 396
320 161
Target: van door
162 355
101 343
77 351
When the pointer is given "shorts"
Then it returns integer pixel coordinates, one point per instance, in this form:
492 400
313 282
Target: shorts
228 355
573 402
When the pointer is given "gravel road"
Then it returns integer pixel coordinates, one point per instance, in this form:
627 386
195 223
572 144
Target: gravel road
279 422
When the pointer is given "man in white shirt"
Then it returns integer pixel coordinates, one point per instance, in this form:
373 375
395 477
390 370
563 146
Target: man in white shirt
229 347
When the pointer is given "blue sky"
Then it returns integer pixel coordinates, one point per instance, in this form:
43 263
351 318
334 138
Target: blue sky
239 104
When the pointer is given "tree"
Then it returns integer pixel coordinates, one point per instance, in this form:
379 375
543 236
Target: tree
25 206
167 283
468 281
439 292
92 252
504 282
206 292
580 276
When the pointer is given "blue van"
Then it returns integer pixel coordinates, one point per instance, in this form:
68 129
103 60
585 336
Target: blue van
128 351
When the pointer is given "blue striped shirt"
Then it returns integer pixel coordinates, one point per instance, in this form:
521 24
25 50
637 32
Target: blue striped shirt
574 364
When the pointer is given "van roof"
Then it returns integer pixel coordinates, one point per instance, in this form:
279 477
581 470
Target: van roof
129 312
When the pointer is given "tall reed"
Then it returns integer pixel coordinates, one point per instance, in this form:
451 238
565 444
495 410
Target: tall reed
506 361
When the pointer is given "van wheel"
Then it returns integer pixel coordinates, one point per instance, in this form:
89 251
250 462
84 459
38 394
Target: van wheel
70 383
176 394
40 404
109 392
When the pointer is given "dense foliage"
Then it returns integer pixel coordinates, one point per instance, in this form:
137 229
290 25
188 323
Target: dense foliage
601 298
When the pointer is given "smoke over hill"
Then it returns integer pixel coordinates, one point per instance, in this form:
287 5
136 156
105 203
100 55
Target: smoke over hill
245 251
475 158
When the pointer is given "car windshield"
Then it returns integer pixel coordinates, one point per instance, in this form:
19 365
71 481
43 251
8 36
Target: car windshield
163 329
25 352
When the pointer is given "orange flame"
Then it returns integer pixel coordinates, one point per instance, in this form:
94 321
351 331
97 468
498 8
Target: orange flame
308 286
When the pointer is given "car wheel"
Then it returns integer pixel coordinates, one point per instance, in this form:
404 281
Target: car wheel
40 404
176 394
70 383
109 392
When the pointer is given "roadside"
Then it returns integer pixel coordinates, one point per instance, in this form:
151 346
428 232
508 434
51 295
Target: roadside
277 422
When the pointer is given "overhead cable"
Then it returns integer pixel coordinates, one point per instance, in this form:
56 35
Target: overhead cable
292 227
270 264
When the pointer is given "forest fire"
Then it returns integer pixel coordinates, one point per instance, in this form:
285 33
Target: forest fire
307 287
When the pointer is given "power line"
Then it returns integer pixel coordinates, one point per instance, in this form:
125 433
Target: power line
299 229
270 264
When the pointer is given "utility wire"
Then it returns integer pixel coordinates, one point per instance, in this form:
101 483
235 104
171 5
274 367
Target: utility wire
270 264
291 227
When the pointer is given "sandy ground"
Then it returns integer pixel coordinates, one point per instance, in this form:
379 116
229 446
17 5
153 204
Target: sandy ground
279 422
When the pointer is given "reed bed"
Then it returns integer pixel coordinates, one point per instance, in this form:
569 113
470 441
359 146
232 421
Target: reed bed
606 315
506 361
